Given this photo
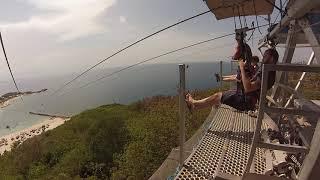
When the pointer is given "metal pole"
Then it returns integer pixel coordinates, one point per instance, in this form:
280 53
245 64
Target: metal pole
182 115
309 165
256 135
220 74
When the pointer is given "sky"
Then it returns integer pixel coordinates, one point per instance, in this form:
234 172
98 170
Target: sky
50 38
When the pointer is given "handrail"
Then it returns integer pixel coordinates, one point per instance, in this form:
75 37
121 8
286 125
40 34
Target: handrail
292 67
182 110
266 68
290 90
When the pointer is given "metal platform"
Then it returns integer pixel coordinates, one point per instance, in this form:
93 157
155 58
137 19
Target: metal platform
224 149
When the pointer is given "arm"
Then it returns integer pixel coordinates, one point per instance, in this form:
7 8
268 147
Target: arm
247 84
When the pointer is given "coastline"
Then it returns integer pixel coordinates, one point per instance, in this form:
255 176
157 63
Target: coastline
8 97
8 102
7 141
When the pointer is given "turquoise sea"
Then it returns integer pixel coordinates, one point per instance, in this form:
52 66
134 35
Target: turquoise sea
124 88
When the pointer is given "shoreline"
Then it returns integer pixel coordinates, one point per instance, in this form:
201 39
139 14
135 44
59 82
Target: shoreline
8 102
8 140
5 100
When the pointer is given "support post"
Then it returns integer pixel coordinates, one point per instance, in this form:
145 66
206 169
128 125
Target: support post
287 58
262 104
182 116
310 168
221 75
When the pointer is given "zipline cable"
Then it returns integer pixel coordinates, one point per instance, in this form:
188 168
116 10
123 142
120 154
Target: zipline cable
153 58
8 64
132 44
158 56
136 42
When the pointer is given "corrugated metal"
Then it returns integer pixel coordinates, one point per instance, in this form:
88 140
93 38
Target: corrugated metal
224 149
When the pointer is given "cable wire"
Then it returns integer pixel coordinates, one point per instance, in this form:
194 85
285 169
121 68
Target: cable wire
155 57
255 12
136 42
8 64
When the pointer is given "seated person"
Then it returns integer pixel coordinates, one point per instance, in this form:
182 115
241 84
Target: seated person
237 55
235 77
242 100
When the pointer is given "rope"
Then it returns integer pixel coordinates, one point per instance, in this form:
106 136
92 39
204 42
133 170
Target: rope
234 18
274 6
255 12
244 16
239 16
252 25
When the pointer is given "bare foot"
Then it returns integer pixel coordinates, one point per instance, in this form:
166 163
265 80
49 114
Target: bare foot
190 102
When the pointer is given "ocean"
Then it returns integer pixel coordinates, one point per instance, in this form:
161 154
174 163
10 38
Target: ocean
123 88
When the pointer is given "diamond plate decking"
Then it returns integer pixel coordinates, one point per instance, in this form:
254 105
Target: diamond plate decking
224 149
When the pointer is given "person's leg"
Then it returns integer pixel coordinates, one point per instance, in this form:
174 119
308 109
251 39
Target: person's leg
229 79
203 103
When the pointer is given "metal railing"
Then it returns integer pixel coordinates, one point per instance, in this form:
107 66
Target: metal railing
182 111
314 150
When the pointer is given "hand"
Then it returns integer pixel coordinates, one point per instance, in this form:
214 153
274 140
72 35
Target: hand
189 98
241 64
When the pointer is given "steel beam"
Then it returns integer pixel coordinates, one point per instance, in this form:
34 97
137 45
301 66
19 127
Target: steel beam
300 80
262 104
287 58
182 110
292 67
296 10
311 37
290 90
313 155
279 110
283 147
271 100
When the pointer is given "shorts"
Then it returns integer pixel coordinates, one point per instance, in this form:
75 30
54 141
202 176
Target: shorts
236 100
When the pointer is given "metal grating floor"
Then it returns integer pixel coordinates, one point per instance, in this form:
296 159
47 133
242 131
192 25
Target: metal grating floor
224 149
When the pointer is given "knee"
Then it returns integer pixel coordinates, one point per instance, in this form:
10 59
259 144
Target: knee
218 94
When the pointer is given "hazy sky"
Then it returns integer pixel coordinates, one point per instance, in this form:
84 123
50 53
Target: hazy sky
50 37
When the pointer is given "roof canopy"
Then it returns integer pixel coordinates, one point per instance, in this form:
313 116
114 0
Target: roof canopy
228 8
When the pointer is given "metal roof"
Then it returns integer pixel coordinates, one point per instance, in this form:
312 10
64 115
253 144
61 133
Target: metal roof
229 8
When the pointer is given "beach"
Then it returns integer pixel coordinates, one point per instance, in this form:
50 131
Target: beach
8 102
22 135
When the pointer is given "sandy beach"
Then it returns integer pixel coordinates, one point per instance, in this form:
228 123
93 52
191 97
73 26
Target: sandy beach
8 102
48 124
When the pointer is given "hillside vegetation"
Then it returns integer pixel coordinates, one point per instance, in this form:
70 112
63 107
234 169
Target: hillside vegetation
310 86
112 141
109 142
